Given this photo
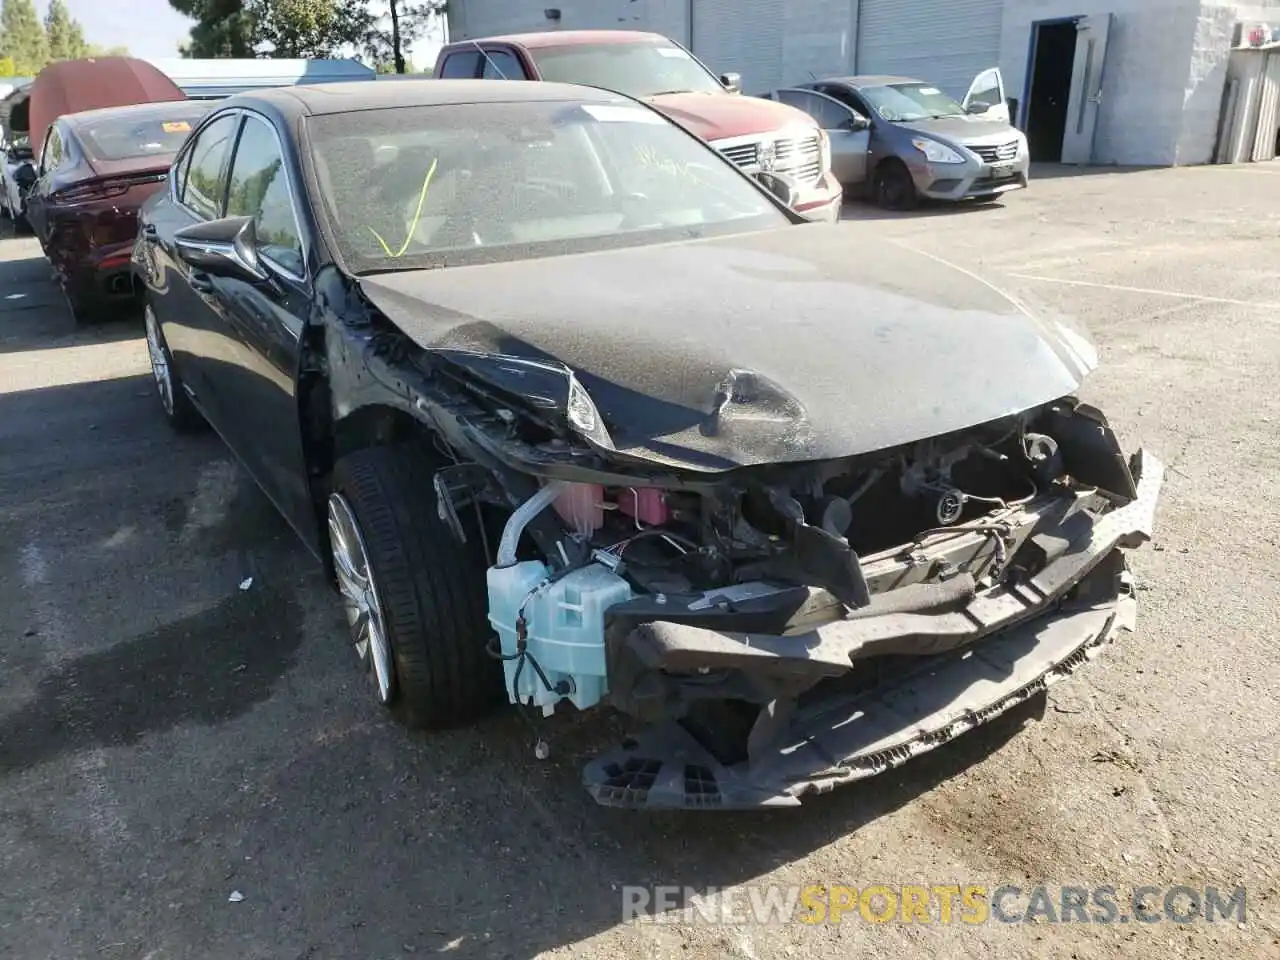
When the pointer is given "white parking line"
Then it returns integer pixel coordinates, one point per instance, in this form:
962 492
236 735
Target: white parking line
1232 301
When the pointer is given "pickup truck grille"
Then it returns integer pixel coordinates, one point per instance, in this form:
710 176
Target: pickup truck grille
996 153
798 157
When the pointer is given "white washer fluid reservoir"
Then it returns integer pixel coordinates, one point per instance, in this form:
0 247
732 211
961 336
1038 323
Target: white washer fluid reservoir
564 629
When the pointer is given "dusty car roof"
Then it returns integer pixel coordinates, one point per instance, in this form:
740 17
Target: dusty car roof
566 38
325 98
872 80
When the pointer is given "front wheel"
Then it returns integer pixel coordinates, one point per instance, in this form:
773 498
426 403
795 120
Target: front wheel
414 595
893 188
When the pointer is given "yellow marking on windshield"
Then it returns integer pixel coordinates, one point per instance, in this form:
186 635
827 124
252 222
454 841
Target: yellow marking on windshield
417 217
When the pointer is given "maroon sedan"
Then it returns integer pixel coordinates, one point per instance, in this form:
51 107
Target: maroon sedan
95 170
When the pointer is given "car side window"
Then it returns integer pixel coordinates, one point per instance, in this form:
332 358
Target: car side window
52 154
463 65
826 114
259 187
206 181
502 65
845 96
986 89
179 172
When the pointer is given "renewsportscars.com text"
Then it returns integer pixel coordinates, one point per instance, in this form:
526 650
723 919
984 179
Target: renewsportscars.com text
971 904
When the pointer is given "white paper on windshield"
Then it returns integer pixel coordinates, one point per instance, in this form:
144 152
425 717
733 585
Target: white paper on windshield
673 52
609 113
930 91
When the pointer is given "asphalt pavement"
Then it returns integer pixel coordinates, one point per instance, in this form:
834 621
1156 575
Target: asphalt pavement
181 719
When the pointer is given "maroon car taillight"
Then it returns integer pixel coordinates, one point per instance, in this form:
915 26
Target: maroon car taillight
104 189
91 192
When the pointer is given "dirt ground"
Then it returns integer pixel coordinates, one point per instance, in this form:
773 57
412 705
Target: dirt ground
167 738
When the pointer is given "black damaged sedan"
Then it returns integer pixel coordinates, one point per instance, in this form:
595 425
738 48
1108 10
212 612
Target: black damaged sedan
579 415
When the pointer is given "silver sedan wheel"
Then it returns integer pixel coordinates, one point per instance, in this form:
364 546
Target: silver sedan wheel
360 595
159 361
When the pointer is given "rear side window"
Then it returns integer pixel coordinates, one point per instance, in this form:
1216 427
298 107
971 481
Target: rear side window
461 66
52 155
179 175
502 65
206 178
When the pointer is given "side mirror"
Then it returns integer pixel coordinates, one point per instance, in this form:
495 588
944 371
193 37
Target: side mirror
977 106
731 82
223 248
856 123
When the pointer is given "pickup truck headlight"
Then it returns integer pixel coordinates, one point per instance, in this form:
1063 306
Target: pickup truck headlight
936 152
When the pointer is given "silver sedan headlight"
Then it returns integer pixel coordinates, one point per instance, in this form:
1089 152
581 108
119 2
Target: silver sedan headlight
936 152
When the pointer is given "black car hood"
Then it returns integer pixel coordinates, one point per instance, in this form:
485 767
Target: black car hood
805 343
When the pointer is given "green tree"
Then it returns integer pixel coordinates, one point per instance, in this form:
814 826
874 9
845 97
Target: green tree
308 28
7 69
93 50
22 37
223 28
76 42
405 22
58 32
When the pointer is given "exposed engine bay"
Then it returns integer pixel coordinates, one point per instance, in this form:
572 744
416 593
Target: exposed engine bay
791 576
727 611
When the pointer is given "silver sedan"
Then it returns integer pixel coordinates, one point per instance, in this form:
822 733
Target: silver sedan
899 140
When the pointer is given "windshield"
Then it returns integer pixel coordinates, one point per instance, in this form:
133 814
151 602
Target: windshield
141 133
482 182
638 69
911 101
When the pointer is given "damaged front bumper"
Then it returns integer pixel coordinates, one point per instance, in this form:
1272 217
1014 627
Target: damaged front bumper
973 661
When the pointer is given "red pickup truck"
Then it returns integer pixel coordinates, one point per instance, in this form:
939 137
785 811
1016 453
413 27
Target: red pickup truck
760 136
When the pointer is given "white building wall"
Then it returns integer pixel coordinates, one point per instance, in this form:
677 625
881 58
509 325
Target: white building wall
1165 69
814 36
470 19
1206 83
1145 72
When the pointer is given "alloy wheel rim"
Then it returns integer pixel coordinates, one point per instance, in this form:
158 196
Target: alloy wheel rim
360 596
159 362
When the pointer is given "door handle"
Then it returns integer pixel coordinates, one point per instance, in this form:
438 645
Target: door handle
201 283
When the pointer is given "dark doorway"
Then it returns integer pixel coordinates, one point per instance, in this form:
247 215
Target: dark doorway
1053 55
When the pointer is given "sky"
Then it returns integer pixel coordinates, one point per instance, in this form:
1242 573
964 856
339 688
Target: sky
152 28
149 28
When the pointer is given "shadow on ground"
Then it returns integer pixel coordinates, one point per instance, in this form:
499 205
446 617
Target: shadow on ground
207 669
860 210
34 315
1062 171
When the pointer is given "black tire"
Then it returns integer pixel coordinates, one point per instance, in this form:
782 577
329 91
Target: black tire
83 311
179 410
892 187
430 589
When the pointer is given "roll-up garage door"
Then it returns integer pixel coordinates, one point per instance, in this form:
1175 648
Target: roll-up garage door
740 36
946 42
